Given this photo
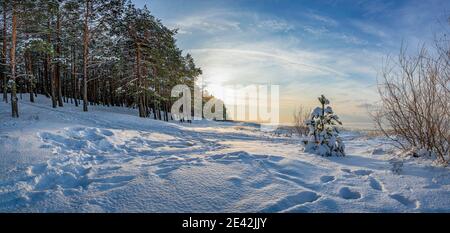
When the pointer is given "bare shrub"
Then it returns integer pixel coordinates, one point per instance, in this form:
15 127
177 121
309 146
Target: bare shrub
300 116
415 102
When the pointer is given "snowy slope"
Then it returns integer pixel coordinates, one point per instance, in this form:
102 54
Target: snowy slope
109 160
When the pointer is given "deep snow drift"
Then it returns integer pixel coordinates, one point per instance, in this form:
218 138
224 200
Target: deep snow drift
109 160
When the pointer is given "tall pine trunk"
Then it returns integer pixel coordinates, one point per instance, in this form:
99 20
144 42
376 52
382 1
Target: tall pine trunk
5 77
53 85
74 77
85 55
52 73
58 63
14 100
30 76
139 81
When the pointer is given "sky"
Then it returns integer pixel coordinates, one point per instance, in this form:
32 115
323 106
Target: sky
308 48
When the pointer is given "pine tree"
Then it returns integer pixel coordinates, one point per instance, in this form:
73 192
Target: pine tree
323 134
98 51
71 31
30 45
13 80
4 51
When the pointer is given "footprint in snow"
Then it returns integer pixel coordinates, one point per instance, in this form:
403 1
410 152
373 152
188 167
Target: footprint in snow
414 204
432 186
378 151
360 172
327 179
363 172
108 183
375 184
347 193
346 170
236 180
347 173
293 200
169 165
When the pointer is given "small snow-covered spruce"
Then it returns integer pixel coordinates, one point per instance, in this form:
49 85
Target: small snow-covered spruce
323 136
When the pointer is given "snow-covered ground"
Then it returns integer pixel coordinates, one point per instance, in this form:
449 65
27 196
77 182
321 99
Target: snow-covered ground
110 160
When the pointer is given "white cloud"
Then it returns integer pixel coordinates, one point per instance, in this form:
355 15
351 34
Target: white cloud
369 29
318 31
211 23
301 59
323 19
275 25
350 39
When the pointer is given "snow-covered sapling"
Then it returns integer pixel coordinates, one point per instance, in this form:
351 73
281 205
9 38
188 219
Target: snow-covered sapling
323 136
